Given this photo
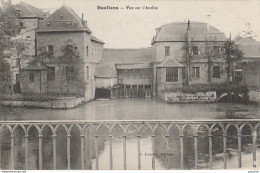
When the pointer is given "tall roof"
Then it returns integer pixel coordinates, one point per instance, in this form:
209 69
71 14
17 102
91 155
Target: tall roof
107 67
29 11
63 19
95 39
177 31
250 47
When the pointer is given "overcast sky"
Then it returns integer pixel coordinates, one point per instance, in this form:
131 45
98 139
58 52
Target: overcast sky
135 28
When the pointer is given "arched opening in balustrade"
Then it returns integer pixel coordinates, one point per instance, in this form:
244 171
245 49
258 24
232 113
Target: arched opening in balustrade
102 147
61 148
188 147
174 158
5 147
117 132
232 146
203 146
247 145
217 132
131 132
145 132
91 145
47 147
257 145
19 147
75 148
33 148
161 146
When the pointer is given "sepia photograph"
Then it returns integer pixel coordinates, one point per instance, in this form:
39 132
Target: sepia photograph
129 85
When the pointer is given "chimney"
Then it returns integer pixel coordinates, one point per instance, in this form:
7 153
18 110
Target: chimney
208 22
158 30
188 27
82 17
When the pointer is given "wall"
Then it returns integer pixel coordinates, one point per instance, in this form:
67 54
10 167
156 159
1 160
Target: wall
105 82
251 75
179 97
28 34
59 39
135 76
161 80
204 73
177 51
28 87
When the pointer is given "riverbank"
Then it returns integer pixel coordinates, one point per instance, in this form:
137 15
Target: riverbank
57 103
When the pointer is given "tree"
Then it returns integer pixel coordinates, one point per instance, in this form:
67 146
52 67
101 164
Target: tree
213 53
233 56
188 47
71 68
248 32
9 27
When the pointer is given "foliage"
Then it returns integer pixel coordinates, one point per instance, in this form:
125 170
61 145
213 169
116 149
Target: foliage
71 68
233 56
9 28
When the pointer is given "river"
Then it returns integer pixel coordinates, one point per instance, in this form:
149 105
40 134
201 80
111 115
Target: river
120 109
129 109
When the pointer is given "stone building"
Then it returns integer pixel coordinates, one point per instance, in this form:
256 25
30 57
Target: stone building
64 31
250 68
124 73
170 47
29 18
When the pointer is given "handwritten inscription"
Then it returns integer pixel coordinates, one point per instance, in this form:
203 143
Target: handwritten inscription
127 7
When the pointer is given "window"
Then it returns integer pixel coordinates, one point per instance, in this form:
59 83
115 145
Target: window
195 50
147 86
167 50
68 48
87 50
69 73
87 73
31 77
50 49
51 73
172 74
195 72
183 73
216 72
216 50
17 78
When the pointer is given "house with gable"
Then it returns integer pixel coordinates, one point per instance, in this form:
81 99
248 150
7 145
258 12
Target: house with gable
61 31
169 55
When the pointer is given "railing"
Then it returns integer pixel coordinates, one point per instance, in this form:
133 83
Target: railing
138 125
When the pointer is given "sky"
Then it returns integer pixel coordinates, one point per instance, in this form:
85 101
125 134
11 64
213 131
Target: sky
135 28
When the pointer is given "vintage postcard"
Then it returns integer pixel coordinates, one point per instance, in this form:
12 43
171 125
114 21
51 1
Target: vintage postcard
130 85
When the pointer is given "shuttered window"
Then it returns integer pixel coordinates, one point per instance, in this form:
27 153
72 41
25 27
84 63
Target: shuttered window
195 72
216 72
69 73
51 73
172 74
